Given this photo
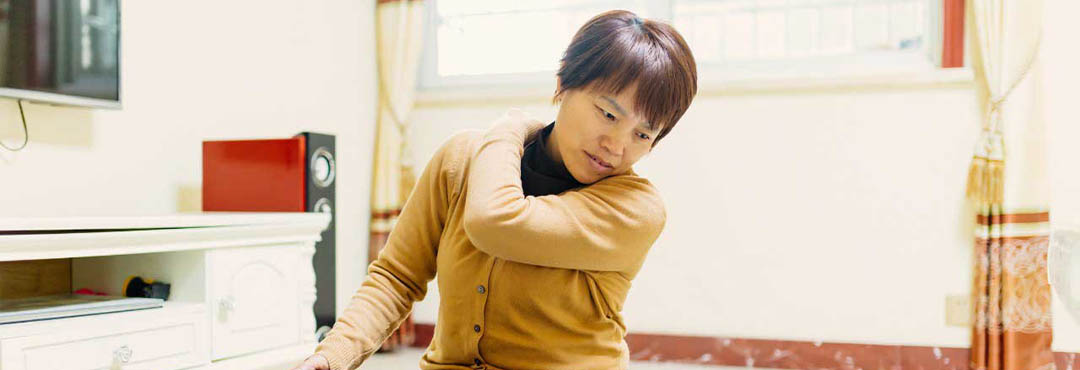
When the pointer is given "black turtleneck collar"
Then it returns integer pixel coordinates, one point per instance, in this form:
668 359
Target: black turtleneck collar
540 174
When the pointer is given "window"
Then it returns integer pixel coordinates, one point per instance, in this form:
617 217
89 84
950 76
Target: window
744 30
491 42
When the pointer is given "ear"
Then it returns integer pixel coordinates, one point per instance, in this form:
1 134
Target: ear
557 99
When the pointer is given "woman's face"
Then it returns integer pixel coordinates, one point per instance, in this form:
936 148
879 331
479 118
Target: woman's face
598 135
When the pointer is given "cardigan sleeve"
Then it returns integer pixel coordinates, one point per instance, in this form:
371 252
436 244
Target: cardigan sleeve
605 226
400 274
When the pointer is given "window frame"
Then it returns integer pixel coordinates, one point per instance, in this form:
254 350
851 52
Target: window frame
873 67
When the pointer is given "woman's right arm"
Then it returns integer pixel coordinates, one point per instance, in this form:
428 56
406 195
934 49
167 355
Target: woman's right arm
609 225
400 274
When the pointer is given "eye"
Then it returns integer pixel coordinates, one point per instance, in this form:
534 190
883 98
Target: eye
606 114
643 136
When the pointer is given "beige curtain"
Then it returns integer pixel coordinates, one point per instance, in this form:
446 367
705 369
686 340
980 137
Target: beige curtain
1008 185
399 36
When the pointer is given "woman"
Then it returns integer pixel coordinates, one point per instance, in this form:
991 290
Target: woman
535 230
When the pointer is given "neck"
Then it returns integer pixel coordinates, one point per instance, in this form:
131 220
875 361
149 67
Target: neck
552 147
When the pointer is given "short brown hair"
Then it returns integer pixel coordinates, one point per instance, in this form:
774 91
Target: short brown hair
616 49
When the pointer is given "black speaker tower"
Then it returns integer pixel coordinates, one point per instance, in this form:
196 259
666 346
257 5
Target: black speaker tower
320 197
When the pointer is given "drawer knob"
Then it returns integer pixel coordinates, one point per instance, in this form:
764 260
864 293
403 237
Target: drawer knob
122 354
225 306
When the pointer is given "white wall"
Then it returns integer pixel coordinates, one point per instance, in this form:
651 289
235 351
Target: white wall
204 70
833 215
827 214
1060 58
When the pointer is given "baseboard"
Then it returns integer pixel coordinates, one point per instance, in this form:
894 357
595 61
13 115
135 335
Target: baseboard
788 354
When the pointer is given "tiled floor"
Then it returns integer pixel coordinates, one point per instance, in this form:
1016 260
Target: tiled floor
408 359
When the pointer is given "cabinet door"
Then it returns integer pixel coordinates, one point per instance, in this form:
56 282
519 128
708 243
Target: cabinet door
253 297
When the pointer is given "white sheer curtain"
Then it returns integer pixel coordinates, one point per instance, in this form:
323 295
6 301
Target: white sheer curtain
399 37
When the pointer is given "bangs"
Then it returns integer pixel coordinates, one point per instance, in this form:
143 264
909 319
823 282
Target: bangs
617 50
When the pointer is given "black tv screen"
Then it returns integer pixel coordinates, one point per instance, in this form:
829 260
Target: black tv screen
61 51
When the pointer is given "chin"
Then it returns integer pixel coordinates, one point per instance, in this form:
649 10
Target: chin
587 179
582 179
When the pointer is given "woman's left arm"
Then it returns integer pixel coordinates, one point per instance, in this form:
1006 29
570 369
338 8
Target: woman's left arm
605 226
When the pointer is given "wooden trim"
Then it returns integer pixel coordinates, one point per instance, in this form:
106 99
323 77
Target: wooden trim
424 333
952 48
1067 360
377 215
1015 218
787 354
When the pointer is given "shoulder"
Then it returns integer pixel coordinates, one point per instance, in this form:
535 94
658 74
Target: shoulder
461 145
453 157
458 144
458 150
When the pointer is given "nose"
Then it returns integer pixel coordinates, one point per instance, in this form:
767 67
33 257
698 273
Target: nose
612 145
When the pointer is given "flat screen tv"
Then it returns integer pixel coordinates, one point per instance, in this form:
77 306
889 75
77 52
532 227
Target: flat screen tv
64 52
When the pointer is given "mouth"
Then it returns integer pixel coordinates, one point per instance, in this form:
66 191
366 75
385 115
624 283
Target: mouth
598 161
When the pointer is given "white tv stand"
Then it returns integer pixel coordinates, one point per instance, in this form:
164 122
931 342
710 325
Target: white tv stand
242 290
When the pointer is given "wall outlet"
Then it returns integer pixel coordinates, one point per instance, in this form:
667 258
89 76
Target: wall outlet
958 310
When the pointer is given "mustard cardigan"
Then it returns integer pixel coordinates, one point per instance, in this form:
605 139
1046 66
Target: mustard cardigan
525 282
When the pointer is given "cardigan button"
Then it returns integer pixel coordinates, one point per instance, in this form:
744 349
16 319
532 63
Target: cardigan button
480 289
476 328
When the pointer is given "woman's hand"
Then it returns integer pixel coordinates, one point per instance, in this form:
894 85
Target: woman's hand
315 362
517 124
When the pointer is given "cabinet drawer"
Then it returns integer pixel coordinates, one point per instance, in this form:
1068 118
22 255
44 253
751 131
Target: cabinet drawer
129 341
254 298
